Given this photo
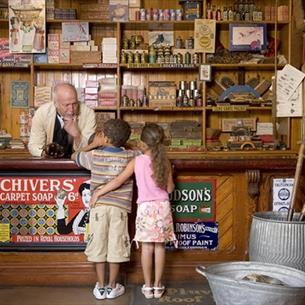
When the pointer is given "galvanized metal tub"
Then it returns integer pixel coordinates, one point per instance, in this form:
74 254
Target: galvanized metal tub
277 241
229 288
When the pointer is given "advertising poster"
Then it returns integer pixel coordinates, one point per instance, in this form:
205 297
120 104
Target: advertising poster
44 211
197 235
282 191
194 199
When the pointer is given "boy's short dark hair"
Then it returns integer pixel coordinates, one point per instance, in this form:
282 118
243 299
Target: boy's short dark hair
117 131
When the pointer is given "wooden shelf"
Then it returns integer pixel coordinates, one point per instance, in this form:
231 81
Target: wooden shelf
252 22
138 74
158 25
105 108
14 68
74 67
157 109
60 21
237 108
245 66
158 67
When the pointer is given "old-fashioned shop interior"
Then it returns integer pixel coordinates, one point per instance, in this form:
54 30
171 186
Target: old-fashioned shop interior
224 80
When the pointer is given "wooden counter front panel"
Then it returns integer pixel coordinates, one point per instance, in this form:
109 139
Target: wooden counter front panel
235 203
66 268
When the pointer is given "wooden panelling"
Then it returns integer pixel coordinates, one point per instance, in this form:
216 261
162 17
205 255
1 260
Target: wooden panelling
9 117
233 214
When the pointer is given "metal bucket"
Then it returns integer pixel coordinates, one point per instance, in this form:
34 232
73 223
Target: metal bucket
277 241
229 288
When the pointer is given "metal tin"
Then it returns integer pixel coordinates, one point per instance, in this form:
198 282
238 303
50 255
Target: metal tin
138 15
187 58
152 55
130 58
193 85
179 58
179 99
188 93
155 14
183 85
178 44
125 101
125 43
123 57
149 14
166 15
142 14
196 58
161 14
178 14
137 58
172 13
143 58
132 42
189 43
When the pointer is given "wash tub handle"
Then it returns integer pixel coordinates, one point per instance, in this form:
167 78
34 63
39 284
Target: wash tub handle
201 270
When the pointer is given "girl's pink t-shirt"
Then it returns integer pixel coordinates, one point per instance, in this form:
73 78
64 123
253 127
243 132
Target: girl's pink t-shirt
147 187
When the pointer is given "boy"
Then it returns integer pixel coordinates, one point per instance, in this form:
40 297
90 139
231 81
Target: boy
109 238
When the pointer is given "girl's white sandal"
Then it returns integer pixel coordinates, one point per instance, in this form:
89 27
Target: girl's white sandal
158 292
148 292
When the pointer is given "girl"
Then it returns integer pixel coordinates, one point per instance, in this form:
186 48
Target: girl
154 224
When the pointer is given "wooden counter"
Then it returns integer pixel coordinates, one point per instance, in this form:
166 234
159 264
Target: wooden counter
243 186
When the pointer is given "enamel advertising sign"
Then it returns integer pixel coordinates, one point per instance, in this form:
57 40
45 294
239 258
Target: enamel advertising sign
43 210
194 199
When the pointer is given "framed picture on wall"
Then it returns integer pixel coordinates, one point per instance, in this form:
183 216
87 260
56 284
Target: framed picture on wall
205 73
247 37
27 26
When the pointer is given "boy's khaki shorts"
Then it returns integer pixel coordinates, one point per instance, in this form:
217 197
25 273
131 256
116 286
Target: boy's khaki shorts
109 238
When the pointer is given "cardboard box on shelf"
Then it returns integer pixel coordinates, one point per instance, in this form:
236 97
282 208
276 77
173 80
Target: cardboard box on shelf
85 57
135 3
94 11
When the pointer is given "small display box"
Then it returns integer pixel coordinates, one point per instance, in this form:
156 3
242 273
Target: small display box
162 93
192 9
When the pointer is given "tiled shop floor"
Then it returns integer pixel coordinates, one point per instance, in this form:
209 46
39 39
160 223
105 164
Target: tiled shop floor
176 294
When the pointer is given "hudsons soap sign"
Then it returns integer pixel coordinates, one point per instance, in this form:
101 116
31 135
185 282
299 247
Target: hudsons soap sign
194 199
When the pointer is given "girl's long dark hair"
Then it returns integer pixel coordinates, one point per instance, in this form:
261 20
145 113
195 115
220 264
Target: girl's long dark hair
153 136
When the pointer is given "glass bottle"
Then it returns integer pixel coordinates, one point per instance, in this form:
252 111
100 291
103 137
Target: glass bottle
218 14
214 12
209 11
231 14
225 16
152 55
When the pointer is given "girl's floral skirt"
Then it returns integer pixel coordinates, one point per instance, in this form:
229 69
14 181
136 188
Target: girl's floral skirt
154 222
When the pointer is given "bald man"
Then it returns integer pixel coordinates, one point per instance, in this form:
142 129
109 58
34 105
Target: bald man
64 121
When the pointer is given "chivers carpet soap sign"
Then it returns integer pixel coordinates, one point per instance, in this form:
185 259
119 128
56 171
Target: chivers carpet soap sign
194 199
